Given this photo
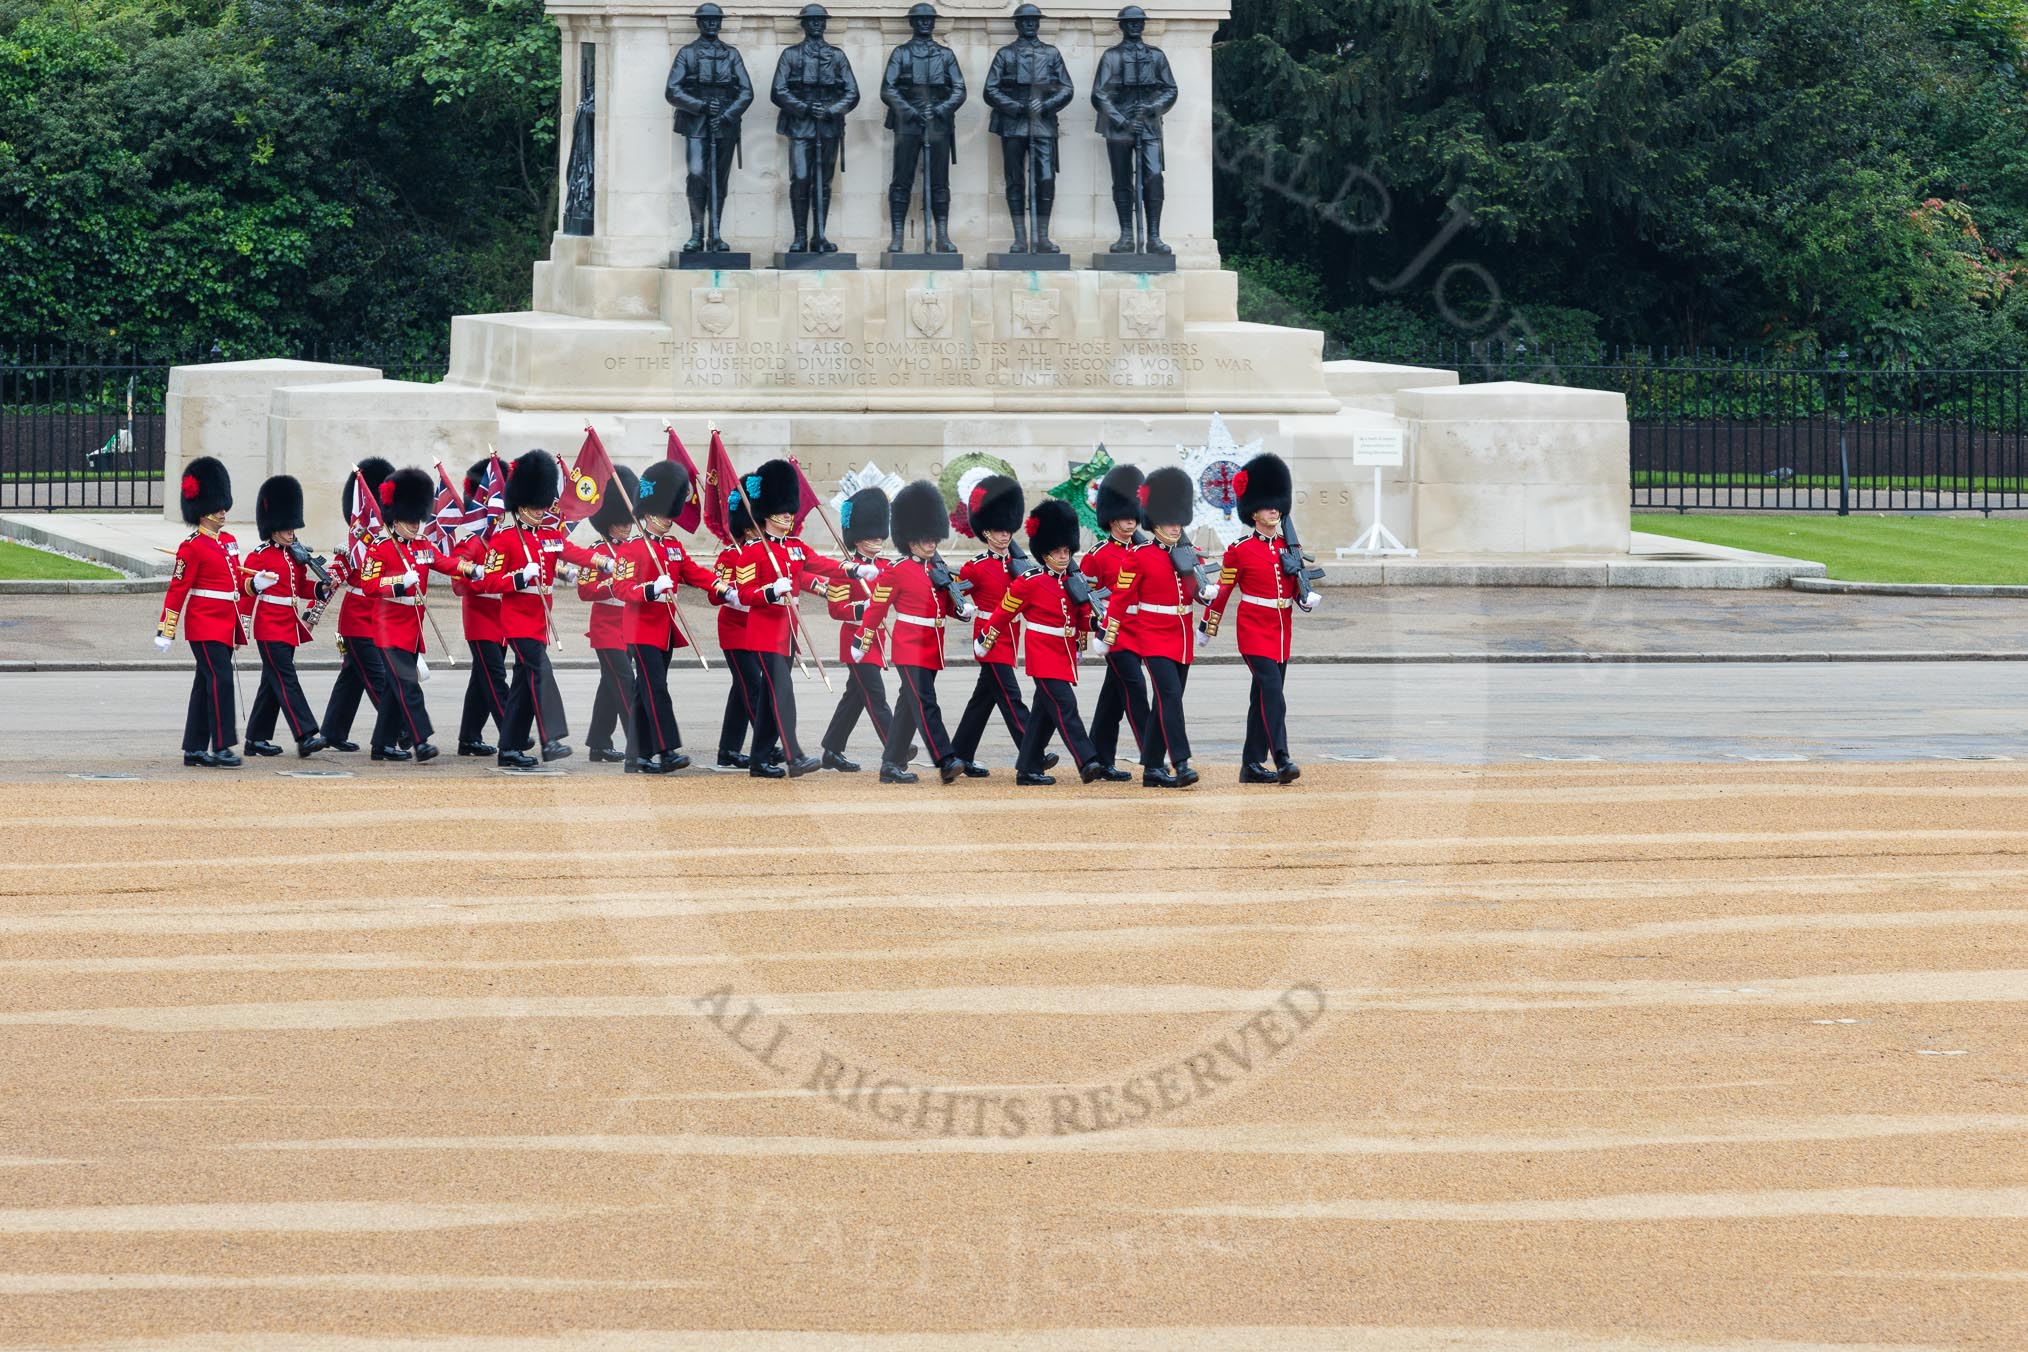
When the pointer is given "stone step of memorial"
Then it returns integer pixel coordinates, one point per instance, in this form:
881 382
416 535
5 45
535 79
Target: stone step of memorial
706 260
1133 262
922 262
817 262
1028 262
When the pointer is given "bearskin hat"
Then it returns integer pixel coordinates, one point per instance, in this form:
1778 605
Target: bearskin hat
1265 482
919 514
475 476
533 480
865 516
407 495
1171 497
207 488
1119 496
995 503
372 469
739 517
616 503
664 488
773 489
1052 526
278 506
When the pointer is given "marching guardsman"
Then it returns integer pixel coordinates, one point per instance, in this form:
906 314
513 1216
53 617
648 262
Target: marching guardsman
361 671
397 577
650 570
486 686
906 594
783 565
863 520
277 586
614 522
203 604
1268 596
1123 693
733 570
1057 628
521 562
995 509
1154 601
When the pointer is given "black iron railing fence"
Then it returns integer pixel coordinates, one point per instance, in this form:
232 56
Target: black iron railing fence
83 428
1711 430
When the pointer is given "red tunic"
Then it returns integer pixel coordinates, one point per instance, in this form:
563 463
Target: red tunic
768 622
524 606
990 574
608 608
1158 602
849 597
1101 565
356 610
399 621
1251 572
277 613
652 624
204 592
1054 622
481 609
918 609
733 571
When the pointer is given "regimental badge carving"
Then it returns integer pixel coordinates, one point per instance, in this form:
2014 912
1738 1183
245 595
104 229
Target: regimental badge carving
1143 315
822 313
713 313
929 312
1035 314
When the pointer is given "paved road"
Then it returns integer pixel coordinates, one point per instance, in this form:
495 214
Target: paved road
53 723
1353 621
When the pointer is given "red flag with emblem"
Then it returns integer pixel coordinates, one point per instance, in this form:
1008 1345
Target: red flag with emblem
693 509
806 497
584 485
720 478
366 519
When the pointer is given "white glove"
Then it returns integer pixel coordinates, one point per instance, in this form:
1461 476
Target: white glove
732 599
866 572
605 563
262 581
566 572
660 587
163 643
780 589
529 573
408 579
422 670
1098 645
978 650
967 610
1309 602
1204 634
1207 594
858 651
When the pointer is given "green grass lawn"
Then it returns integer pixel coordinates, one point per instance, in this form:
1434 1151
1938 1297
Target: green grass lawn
1966 550
18 561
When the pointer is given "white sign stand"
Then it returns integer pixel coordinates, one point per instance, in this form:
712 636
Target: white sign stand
1381 450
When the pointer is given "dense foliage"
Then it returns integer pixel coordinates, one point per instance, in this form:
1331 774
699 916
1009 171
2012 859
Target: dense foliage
1798 174
1803 175
264 174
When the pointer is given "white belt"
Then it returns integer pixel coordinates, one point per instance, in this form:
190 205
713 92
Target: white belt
482 596
926 621
1052 631
265 598
1278 602
1146 609
607 601
214 595
402 600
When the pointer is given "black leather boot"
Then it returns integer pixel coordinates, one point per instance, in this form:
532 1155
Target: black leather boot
515 760
554 750
311 745
890 773
477 749
261 749
1251 773
834 761
1124 205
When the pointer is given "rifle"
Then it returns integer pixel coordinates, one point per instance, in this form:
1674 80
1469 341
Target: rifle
953 586
314 562
1298 565
1019 562
1184 555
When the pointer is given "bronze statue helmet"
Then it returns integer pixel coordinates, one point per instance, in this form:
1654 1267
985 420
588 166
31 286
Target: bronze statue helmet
1028 11
707 10
813 12
922 10
1133 12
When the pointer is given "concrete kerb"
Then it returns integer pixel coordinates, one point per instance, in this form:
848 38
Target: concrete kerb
1840 585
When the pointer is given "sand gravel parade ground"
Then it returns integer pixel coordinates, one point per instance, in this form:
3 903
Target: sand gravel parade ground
1588 1056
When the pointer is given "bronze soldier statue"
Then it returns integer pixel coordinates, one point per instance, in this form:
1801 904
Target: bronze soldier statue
814 89
1131 91
922 88
709 88
1025 87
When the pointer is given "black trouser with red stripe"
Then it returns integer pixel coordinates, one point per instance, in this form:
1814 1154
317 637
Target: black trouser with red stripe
774 707
996 688
739 700
533 701
615 700
654 717
1164 735
1266 712
1055 711
363 673
1124 693
280 693
865 693
916 708
403 720
211 723
485 690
